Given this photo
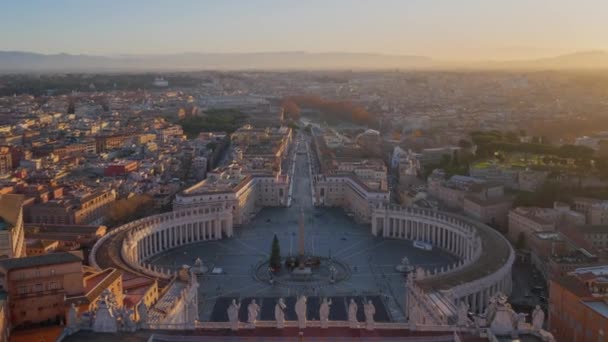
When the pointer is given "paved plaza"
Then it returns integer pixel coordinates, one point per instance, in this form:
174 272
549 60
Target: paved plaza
329 233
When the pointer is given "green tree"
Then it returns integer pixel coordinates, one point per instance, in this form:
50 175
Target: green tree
275 253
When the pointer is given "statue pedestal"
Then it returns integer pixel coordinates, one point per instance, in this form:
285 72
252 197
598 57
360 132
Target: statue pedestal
301 272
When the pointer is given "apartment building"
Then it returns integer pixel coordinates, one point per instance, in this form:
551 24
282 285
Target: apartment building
578 305
37 286
12 241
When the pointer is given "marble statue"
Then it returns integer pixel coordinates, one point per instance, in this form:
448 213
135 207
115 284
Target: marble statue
104 319
253 310
73 323
199 267
521 321
352 314
324 312
279 313
142 313
370 310
184 274
127 320
538 318
504 320
301 311
233 314
463 313
490 311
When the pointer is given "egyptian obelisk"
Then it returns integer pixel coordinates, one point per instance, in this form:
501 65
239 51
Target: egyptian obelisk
301 237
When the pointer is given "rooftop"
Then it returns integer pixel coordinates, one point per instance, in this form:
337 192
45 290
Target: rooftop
598 306
40 260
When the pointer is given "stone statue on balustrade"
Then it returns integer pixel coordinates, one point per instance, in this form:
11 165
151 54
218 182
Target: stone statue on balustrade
352 314
104 318
73 323
253 310
233 314
463 314
324 312
490 311
142 313
538 318
301 311
369 310
505 320
279 313
184 274
127 320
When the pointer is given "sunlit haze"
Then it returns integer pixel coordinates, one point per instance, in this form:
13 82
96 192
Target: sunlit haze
466 29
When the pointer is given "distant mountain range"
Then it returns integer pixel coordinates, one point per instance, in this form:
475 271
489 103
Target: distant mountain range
18 61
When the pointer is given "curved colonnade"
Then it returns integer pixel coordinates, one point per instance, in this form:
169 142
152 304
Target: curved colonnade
486 257
483 270
156 234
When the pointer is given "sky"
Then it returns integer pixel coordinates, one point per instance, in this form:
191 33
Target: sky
448 29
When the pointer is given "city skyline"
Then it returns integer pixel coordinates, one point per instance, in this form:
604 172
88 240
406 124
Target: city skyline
467 30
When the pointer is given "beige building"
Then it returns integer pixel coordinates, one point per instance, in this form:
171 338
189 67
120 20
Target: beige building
529 220
492 211
81 208
37 286
12 241
349 193
238 195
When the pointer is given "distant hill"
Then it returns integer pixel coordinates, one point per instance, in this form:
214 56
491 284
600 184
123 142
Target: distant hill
17 61
577 60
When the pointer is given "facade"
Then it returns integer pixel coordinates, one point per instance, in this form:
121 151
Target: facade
120 169
37 286
6 164
578 308
87 208
524 221
488 211
237 194
12 240
349 193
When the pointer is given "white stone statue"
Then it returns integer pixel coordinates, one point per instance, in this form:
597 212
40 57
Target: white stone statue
352 314
199 267
324 312
490 311
253 310
370 310
104 319
301 311
127 320
538 318
233 314
279 313
505 319
142 313
463 314
73 322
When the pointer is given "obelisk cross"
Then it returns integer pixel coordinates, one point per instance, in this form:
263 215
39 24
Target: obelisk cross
301 236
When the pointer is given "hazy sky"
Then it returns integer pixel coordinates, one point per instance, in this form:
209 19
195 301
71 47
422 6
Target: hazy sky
443 29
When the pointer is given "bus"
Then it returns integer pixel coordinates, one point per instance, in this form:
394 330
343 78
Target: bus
423 245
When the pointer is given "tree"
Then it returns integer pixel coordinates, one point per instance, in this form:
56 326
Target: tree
275 254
